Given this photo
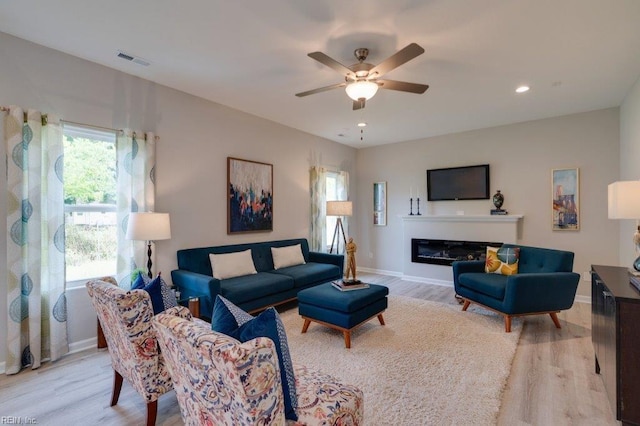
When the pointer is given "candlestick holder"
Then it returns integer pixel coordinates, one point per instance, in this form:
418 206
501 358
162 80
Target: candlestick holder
418 214
411 207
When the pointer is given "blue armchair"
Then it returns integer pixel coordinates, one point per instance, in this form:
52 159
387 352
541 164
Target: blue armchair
544 284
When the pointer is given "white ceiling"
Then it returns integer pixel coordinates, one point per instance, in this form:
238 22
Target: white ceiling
577 55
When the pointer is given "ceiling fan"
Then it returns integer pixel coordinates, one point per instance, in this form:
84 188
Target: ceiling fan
362 80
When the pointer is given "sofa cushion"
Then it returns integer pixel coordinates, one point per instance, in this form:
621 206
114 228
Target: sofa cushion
309 273
502 260
267 324
160 293
490 284
229 265
250 287
287 256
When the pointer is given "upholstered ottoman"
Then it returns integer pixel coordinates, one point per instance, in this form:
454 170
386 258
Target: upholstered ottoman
341 310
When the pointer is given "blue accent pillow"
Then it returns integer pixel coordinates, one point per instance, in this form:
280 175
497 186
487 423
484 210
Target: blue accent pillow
161 295
227 318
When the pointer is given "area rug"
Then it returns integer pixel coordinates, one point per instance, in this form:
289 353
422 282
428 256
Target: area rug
430 364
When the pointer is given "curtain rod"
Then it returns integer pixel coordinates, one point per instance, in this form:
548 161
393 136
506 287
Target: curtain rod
6 109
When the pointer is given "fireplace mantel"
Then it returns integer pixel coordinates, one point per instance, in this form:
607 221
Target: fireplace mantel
463 218
498 228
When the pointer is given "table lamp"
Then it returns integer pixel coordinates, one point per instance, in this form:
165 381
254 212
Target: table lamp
339 208
624 203
148 227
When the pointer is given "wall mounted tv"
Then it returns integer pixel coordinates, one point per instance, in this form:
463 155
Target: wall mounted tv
458 183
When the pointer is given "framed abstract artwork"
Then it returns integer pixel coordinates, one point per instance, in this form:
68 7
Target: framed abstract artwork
380 203
250 196
565 191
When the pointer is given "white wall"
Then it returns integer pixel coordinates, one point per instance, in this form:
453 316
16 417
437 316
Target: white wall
521 157
196 136
629 164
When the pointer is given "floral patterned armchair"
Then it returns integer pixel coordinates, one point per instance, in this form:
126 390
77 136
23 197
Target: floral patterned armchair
220 381
126 317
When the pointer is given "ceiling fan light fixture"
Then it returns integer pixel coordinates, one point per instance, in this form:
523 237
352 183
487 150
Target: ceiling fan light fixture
361 89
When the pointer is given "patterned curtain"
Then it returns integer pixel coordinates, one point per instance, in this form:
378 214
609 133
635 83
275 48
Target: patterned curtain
317 188
36 299
136 160
342 187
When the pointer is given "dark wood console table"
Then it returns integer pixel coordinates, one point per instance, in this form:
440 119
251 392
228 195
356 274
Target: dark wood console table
615 333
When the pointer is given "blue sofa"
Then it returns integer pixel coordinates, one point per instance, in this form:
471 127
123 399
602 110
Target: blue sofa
544 284
269 287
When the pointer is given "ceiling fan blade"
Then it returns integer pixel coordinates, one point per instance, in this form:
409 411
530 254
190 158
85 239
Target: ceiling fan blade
332 63
320 89
359 104
403 55
403 86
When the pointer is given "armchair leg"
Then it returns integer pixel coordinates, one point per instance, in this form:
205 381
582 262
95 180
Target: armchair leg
507 323
466 304
152 411
554 318
117 386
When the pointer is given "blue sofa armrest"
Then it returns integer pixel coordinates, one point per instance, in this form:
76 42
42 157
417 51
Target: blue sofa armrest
192 284
462 266
334 259
540 292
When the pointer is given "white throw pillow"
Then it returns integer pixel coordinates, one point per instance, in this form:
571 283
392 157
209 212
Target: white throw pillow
287 256
229 265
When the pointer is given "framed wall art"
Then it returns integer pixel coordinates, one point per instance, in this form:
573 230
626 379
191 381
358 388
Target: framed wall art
250 196
380 203
565 190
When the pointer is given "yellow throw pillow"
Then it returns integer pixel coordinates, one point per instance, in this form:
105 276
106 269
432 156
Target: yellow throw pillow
502 260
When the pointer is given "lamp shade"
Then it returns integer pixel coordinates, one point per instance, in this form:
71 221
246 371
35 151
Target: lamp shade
361 89
148 226
624 200
339 208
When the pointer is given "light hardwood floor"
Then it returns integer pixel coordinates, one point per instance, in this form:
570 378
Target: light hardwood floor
552 380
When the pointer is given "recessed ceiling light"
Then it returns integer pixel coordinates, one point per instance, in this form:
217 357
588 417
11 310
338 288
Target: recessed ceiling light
522 89
362 124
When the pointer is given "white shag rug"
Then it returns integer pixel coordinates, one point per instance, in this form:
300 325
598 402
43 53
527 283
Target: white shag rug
431 364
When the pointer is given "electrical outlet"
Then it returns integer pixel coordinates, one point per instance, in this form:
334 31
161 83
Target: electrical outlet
586 276
370 255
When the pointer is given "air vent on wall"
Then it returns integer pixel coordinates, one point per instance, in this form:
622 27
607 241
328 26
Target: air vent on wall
136 59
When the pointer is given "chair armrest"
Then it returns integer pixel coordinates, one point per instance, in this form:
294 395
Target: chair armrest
334 259
463 266
540 292
179 311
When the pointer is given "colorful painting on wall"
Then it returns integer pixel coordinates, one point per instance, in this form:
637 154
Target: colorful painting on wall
250 203
566 199
380 203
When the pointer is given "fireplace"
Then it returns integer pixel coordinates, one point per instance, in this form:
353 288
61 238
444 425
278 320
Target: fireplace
445 252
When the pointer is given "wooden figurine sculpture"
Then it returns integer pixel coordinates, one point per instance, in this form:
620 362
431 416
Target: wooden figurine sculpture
351 260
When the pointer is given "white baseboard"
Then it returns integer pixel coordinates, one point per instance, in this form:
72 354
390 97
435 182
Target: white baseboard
83 345
380 272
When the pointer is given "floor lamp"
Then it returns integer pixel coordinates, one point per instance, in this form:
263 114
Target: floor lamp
339 208
148 227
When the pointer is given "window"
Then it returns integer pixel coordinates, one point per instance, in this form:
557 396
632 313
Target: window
91 244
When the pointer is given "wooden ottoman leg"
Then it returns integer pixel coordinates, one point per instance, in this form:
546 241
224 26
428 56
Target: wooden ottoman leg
381 319
347 339
305 326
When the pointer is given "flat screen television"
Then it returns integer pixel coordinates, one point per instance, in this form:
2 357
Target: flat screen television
458 183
